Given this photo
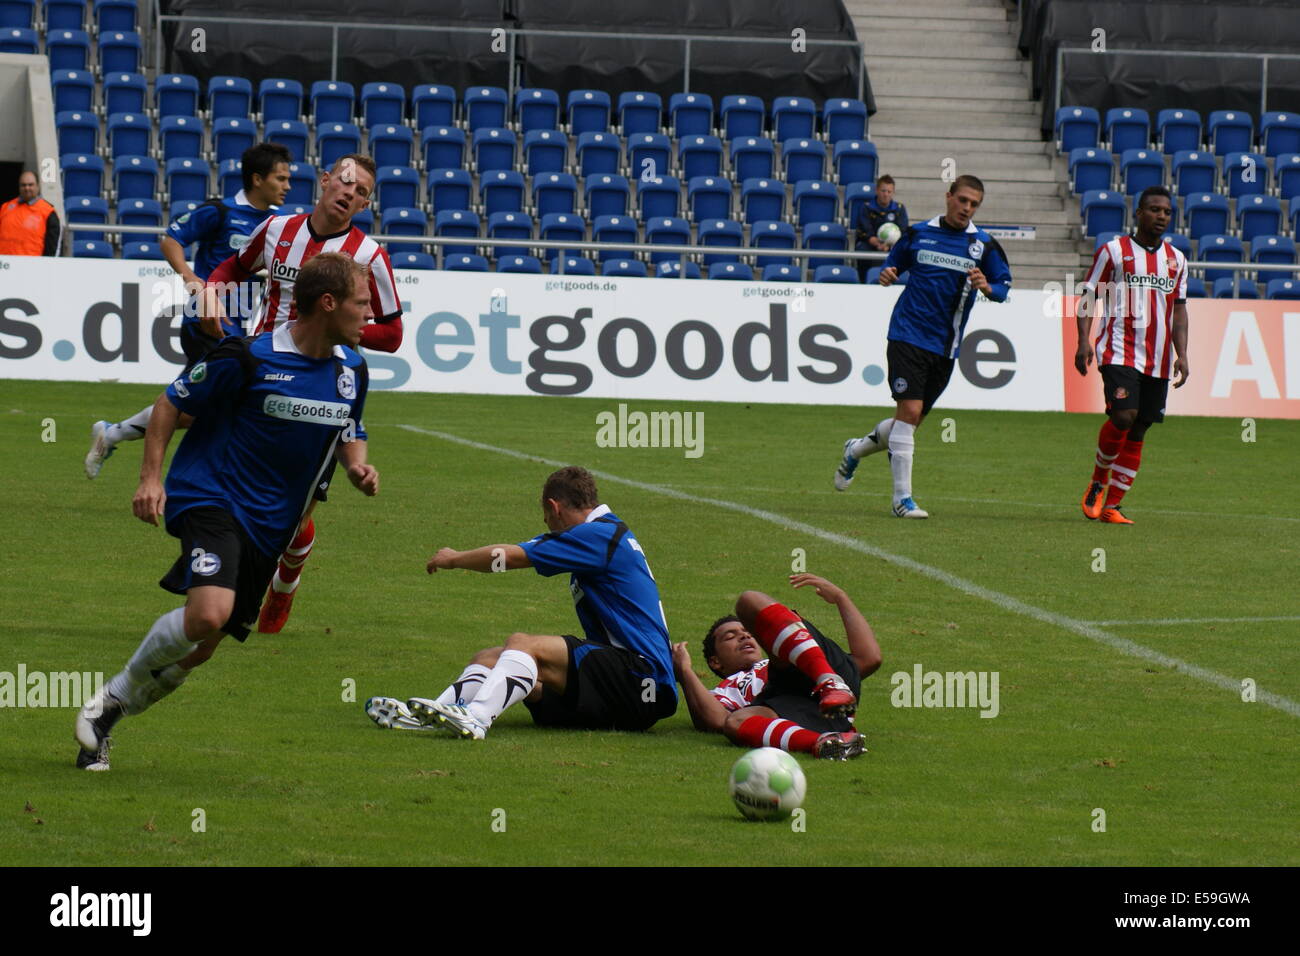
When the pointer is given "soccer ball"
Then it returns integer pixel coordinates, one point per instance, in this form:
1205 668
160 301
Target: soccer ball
889 233
767 784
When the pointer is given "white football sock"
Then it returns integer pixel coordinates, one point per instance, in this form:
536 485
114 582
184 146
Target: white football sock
129 429
877 440
509 682
165 644
465 687
901 446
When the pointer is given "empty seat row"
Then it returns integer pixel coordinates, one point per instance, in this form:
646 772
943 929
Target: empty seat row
1191 171
1227 131
106 15
115 52
1201 214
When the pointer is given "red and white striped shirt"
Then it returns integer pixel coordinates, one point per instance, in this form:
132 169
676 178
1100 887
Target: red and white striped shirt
740 689
1141 288
282 244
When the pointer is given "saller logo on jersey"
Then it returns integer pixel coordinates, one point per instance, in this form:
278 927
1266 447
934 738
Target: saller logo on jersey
283 272
307 410
944 260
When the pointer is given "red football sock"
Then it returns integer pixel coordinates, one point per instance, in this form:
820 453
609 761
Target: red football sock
758 731
1109 442
294 557
783 636
1123 472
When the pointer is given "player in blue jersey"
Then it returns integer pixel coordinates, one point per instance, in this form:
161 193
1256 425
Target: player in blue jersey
619 677
948 260
221 228
270 415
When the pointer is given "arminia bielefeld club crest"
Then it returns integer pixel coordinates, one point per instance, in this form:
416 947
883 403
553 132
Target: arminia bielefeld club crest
347 384
198 372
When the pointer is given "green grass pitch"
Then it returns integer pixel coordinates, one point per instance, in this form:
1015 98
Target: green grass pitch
286 771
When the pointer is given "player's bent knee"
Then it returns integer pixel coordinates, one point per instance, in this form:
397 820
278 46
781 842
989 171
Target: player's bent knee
1124 418
487 657
750 603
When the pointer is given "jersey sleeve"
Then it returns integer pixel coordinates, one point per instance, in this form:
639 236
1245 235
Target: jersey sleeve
253 256
218 378
384 300
900 256
726 696
1102 268
577 549
195 225
995 268
363 386
1181 296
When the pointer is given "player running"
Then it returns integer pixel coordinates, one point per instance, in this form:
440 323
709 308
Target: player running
620 677
948 260
804 699
270 415
1144 280
221 228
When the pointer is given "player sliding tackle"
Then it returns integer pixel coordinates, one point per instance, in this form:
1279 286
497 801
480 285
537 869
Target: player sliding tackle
802 699
271 414
619 678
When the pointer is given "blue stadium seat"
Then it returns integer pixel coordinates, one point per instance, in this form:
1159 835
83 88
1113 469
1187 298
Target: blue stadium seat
383 104
412 260
599 153
649 155
509 225
1240 288
699 155
752 157
449 189
1230 131
433 105
1178 131
397 187
762 199
1220 249
545 151
731 270
138 249
78 132
443 147
855 161
485 108
75 90
231 136
64 14
187 178
279 99
630 268
690 114
803 159
334 140
1273 250
741 116
606 195
1140 168
1195 288
1102 211
672 269
176 94
116 15
181 137
667 231
782 273
494 149
559 227
83 174
364 220
125 93
836 274
1205 214
404 221
119 52
230 97
129 134
230 178
91 248
1090 168
639 112
1180 242
587 111
87 209
291 134
17 14
1127 128
139 212
537 108
1259 216
721 232
67 49
27 41
614 229
793 117
182 206
825 235
1286 175
456 224
815 200
658 198
844 119
1194 172
391 145
464 262
772 235
503 191
1282 289
1245 174
709 197
1279 133
528 265
1076 126
135 177
855 194
573 266
554 192
332 102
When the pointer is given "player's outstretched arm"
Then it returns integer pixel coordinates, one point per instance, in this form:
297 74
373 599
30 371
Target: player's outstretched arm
150 498
352 456
490 557
863 647
706 713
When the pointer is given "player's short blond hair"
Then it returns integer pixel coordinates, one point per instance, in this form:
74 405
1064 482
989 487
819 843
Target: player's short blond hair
330 273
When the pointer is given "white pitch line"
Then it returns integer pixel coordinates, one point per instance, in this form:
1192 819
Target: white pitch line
1004 601
1162 621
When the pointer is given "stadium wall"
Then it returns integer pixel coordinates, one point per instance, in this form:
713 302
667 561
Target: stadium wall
621 338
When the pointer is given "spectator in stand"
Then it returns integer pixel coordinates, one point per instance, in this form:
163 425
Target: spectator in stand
29 226
882 208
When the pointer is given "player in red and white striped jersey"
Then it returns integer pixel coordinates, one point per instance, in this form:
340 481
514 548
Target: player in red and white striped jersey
281 245
795 701
1142 279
